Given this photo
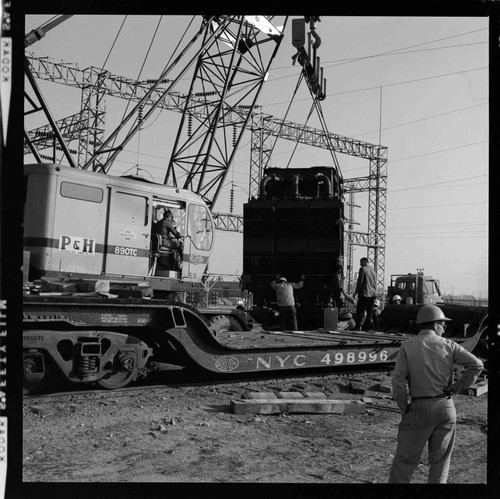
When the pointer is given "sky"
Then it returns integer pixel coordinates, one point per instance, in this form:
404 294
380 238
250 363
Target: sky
416 85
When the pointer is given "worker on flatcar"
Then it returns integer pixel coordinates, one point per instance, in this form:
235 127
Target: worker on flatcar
286 301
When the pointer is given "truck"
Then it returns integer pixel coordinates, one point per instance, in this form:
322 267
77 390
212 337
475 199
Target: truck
416 290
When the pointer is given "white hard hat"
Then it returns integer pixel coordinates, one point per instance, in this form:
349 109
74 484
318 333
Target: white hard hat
282 279
376 302
396 297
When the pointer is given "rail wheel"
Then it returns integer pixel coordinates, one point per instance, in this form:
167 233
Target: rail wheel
40 373
124 372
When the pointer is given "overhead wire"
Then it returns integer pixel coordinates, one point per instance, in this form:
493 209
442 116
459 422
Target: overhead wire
114 42
441 150
398 125
146 56
137 79
413 207
399 50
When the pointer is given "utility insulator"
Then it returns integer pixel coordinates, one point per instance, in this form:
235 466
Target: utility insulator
231 199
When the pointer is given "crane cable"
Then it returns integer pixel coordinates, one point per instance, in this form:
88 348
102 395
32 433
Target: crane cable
315 105
324 126
286 113
301 132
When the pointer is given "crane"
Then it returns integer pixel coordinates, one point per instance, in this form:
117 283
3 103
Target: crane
231 66
213 118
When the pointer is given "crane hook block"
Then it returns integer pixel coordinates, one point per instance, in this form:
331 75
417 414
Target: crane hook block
298 33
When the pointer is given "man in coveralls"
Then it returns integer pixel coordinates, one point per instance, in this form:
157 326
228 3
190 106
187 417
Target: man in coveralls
286 301
366 289
423 384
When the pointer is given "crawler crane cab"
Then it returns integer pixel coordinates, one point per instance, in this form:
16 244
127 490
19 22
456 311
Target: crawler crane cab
80 224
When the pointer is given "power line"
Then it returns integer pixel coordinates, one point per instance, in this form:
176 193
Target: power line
397 51
440 184
445 237
412 81
447 260
441 150
448 225
377 87
440 234
439 205
422 119
420 171
409 52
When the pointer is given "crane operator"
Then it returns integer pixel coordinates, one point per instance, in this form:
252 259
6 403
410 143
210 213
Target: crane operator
170 237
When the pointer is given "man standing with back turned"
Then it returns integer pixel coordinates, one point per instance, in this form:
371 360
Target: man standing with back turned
423 385
286 301
366 289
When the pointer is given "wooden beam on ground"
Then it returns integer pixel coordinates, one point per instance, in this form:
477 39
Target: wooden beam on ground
476 389
297 406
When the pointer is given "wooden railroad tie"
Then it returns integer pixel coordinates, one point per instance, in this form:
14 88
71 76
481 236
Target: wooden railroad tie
294 402
476 389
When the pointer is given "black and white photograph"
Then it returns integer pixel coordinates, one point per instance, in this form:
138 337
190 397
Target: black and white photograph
251 251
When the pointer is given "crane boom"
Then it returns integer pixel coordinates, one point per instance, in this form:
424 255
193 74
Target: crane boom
36 34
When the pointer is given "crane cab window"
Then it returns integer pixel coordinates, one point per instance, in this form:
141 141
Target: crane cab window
130 209
178 211
200 227
82 192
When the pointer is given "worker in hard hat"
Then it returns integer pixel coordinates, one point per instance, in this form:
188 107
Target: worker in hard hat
366 290
286 301
396 300
376 312
423 386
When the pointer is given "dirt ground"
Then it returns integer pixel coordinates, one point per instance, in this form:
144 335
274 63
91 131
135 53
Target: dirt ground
189 434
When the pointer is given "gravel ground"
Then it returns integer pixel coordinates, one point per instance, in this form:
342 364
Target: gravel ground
190 434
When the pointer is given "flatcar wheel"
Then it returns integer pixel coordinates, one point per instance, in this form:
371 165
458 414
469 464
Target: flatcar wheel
117 379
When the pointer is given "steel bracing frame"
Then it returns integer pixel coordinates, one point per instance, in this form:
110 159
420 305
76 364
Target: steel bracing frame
227 81
265 127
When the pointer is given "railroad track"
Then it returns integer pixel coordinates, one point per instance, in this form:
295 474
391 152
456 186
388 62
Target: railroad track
192 379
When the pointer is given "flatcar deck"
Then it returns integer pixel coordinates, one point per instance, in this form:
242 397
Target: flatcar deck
276 339
145 323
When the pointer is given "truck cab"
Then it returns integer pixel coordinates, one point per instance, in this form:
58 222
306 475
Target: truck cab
414 288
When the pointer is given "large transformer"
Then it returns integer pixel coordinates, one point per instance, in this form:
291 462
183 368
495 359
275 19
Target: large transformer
296 226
